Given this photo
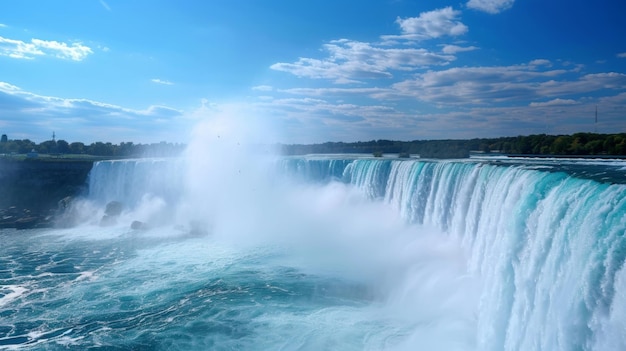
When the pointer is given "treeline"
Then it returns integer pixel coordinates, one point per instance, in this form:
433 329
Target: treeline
577 144
62 147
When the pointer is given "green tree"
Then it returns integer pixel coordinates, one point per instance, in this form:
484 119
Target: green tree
25 146
77 148
47 147
576 147
63 147
560 145
594 147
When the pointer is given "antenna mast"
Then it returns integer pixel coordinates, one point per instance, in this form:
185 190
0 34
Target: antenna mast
595 126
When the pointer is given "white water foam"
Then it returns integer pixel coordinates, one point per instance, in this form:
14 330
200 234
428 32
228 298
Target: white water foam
11 293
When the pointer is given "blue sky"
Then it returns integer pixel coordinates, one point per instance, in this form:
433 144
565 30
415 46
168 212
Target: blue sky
311 71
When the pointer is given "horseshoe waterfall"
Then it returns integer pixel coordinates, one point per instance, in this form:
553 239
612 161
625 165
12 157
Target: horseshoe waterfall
326 252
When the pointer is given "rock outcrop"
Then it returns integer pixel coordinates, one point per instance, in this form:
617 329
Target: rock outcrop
111 213
31 190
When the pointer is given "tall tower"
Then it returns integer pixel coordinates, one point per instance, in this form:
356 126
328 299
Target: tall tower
53 137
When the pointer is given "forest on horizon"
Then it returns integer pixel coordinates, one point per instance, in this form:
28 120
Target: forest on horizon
105 149
579 144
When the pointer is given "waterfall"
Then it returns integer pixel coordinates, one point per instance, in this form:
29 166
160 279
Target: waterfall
546 244
129 181
548 247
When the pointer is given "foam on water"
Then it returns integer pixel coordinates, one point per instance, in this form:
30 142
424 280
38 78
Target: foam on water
9 293
278 264
548 248
247 251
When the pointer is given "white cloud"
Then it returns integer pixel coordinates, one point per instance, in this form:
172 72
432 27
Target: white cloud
6 87
490 6
429 25
160 111
2 25
37 115
18 49
352 61
540 62
21 50
308 120
621 55
75 52
311 120
453 49
161 81
335 91
498 84
555 102
263 88
583 84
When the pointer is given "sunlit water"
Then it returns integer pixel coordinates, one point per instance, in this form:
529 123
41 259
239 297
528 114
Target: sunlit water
327 253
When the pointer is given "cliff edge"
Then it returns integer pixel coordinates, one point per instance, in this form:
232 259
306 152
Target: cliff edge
31 190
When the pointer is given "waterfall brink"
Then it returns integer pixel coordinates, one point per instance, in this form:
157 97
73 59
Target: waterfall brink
548 247
130 181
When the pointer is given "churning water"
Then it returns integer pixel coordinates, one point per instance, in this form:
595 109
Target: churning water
327 253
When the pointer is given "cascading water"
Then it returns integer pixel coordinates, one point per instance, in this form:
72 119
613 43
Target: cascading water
132 180
329 252
549 248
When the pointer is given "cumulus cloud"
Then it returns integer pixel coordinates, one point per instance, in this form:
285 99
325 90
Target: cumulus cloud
352 61
621 55
522 85
22 50
490 6
429 25
349 61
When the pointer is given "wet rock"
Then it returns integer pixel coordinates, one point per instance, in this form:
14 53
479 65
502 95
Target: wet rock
64 204
198 228
113 209
138 225
107 221
111 212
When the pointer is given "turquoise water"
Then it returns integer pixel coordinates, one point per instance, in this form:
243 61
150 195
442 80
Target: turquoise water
328 253
126 291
